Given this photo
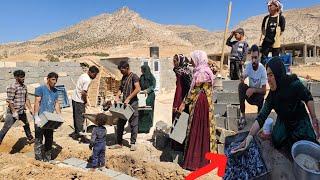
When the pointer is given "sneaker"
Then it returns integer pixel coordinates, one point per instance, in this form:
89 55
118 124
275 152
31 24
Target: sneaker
116 146
133 147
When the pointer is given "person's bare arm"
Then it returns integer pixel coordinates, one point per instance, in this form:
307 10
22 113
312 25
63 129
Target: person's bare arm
28 105
36 105
134 93
57 107
84 96
314 119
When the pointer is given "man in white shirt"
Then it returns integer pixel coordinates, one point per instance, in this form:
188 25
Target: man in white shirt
254 93
79 99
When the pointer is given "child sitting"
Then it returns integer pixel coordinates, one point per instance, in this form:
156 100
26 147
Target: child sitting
98 142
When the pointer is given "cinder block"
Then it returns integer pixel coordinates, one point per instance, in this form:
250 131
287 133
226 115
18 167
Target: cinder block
315 89
27 64
223 133
220 148
31 80
232 124
230 85
220 109
32 75
228 97
10 64
233 111
221 121
178 132
50 120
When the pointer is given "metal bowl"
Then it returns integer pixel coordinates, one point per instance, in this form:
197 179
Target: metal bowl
308 148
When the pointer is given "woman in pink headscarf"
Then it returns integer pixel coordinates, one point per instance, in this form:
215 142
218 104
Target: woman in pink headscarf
201 137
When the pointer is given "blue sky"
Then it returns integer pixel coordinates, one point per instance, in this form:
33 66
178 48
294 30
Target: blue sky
22 20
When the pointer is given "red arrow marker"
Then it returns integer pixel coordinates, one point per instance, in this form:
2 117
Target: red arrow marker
217 161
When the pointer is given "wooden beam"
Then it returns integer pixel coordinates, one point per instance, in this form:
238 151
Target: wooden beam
225 35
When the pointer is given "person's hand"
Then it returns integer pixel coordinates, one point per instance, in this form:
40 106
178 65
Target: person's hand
315 124
182 107
145 92
174 109
232 33
241 78
244 145
126 101
15 115
249 92
31 112
116 99
37 120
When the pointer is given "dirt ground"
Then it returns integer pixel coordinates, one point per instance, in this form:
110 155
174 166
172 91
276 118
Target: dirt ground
16 156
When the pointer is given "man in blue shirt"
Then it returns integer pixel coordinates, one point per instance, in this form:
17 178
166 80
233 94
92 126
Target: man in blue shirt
46 100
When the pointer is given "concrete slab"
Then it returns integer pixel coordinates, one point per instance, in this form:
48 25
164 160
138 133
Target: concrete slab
228 98
230 85
74 162
109 172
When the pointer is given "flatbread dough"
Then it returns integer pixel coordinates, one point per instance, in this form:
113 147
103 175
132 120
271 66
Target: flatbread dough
308 162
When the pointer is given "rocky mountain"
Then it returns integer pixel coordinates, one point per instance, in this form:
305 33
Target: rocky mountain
125 33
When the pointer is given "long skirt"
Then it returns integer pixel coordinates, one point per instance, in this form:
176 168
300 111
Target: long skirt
199 137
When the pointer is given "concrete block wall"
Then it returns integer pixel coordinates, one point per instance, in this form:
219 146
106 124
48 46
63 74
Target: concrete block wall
227 111
36 72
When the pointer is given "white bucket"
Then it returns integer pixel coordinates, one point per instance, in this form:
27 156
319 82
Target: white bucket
267 126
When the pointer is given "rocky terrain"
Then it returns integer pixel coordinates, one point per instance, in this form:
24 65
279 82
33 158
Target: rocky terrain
126 33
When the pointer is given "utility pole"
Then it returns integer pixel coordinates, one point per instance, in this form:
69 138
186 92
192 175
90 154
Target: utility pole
225 36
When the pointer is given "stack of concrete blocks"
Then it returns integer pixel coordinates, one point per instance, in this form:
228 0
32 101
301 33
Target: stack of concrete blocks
36 73
227 111
314 88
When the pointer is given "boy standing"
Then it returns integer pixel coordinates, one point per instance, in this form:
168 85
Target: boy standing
239 50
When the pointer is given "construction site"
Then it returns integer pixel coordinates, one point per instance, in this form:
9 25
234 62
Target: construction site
128 37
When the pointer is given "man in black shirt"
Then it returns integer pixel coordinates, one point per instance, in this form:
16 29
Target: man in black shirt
273 26
129 88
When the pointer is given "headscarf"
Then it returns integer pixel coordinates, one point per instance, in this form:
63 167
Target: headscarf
183 70
277 3
202 71
146 78
279 71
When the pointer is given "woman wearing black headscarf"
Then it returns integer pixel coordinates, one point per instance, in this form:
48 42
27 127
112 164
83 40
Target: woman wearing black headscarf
147 83
286 97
